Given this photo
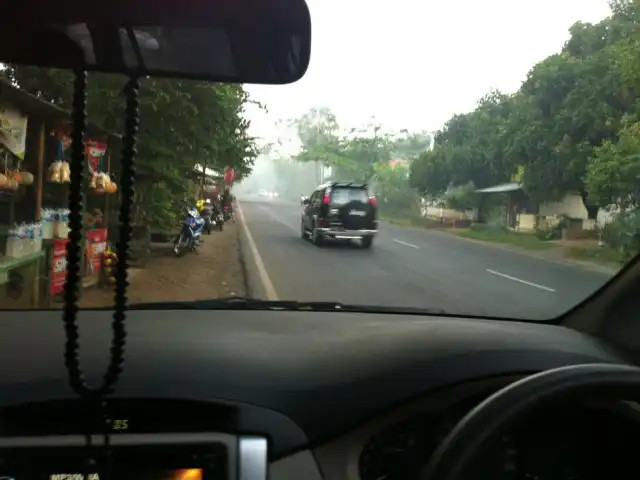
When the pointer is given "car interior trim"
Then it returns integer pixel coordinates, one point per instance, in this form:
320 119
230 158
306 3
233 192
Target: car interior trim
122 440
300 465
350 446
340 458
248 454
253 458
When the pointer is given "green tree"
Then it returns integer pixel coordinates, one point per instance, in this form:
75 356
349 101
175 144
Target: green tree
431 172
409 145
613 175
351 154
392 189
462 198
361 155
567 115
361 152
318 132
470 148
183 123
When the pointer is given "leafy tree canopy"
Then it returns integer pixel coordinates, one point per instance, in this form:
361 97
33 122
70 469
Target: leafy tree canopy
362 155
183 123
353 154
570 128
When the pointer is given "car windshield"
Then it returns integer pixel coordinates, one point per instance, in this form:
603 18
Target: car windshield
340 195
477 159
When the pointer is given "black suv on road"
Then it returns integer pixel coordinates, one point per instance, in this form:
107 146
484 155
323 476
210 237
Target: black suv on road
340 211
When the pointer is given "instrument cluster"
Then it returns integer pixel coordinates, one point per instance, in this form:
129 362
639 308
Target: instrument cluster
568 442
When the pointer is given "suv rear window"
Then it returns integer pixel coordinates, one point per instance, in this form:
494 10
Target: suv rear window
341 195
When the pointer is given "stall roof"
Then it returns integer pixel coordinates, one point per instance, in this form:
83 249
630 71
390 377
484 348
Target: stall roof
502 188
207 171
36 107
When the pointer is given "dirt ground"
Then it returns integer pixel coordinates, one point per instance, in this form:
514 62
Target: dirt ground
216 271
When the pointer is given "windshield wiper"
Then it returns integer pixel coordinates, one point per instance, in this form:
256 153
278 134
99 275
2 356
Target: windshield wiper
239 303
248 303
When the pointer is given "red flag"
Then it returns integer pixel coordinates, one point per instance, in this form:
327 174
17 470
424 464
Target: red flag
229 175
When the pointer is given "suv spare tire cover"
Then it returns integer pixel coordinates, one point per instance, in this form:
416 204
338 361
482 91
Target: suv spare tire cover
355 222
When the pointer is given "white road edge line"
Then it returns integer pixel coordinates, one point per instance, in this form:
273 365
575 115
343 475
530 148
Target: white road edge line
406 244
269 289
509 277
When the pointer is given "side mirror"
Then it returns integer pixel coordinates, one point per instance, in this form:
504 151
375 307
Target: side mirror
304 201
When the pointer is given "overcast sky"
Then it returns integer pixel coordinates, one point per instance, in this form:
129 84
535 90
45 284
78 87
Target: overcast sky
412 64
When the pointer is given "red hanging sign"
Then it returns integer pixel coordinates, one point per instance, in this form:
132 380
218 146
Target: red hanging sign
96 246
58 267
94 151
229 175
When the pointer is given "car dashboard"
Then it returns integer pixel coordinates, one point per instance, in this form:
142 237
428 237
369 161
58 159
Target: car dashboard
577 440
338 395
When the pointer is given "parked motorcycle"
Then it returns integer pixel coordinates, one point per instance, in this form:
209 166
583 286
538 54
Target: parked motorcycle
220 220
207 212
227 215
189 237
209 223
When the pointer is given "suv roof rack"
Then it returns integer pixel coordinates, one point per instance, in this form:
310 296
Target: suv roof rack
349 184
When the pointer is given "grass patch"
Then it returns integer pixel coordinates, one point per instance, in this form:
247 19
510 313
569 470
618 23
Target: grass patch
523 240
410 221
602 255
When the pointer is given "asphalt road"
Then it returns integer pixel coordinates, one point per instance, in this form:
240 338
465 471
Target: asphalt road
406 267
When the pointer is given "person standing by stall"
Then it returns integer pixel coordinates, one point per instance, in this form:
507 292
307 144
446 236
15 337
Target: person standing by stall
218 212
227 203
207 213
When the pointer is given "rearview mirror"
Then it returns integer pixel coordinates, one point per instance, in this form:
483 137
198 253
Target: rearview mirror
304 201
239 41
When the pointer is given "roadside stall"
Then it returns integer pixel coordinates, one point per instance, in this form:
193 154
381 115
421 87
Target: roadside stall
209 180
34 180
20 232
99 187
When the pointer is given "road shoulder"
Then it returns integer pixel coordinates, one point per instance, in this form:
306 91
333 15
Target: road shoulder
257 281
215 272
554 254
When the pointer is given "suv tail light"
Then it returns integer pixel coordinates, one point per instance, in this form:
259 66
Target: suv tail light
326 199
372 201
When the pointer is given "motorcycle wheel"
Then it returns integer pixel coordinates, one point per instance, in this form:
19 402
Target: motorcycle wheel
180 246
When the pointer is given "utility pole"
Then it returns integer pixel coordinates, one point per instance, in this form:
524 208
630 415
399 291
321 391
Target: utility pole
375 154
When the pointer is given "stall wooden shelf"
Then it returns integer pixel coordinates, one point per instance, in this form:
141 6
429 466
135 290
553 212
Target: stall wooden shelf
10 263
30 265
42 118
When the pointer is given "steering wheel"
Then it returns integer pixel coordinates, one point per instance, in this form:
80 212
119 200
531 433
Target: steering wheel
486 422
